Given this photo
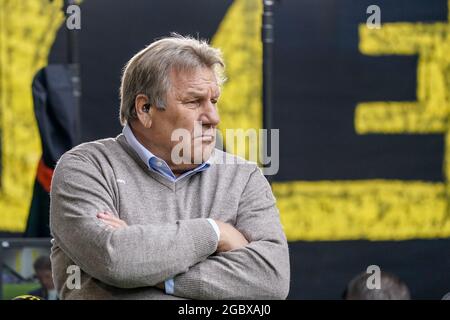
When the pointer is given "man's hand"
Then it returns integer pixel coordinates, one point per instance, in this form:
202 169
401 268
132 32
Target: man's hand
111 221
230 237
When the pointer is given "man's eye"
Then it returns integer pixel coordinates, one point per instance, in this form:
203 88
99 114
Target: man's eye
193 102
214 101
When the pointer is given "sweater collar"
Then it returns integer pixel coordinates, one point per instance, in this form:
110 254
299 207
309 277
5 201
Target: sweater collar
157 164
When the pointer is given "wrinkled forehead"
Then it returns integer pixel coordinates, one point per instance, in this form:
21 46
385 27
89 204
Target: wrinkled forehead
194 82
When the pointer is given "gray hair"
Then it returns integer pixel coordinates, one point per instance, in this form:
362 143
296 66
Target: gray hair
392 288
148 71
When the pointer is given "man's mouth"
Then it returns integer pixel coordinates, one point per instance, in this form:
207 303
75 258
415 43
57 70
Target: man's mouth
205 137
208 135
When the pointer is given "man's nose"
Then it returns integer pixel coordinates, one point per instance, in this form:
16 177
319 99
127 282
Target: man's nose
210 116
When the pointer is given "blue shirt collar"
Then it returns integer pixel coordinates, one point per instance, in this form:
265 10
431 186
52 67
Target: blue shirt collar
153 162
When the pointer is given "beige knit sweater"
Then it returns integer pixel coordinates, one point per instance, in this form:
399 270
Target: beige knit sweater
168 235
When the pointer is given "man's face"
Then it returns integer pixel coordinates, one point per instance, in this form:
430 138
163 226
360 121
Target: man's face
191 99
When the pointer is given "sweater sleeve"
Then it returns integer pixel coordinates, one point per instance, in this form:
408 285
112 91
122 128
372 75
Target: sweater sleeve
258 271
135 256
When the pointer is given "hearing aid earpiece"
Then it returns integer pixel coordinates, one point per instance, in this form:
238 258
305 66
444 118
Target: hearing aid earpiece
146 107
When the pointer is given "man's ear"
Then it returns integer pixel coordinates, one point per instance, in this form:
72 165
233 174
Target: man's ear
143 110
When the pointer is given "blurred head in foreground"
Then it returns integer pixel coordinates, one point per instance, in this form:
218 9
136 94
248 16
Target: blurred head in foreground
43 271
391 288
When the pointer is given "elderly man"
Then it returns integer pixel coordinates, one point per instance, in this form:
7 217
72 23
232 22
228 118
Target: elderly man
141 224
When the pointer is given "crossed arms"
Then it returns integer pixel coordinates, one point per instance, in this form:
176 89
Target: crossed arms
250 261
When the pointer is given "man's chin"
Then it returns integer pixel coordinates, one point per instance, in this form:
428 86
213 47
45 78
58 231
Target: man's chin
206 153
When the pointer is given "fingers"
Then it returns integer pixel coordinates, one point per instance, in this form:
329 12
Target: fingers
112 221
113 224
230 238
